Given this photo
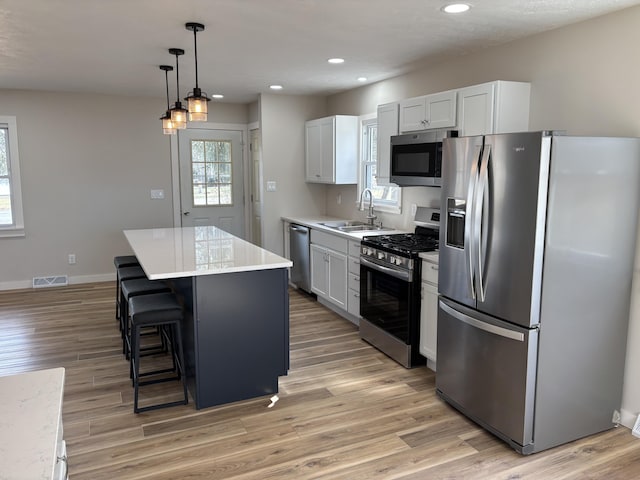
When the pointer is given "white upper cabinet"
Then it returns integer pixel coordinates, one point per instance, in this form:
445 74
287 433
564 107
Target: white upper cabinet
331 149
430 111
387 127
494 107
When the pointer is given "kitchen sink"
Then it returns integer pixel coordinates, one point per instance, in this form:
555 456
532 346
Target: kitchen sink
343 223
353 226
362 228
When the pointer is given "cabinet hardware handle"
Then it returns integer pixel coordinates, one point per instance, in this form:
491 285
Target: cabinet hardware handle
66 465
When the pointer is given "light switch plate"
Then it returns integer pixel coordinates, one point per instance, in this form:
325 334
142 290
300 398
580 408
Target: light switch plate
271 186
157 194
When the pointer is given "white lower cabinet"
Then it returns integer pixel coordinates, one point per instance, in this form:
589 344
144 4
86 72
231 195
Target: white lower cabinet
329 267
429 309
353 300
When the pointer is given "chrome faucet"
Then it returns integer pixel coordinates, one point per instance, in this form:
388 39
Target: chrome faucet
370 216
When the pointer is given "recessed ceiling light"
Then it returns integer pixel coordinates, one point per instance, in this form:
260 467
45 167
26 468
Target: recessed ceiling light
336 60
362 79
456 8
217 95
275 87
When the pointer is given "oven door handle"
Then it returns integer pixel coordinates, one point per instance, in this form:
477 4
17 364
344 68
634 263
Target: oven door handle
400 274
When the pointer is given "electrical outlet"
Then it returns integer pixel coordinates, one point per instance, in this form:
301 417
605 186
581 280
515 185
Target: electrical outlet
72 259
271 186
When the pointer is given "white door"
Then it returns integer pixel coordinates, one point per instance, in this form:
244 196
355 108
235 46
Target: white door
211 179
256 190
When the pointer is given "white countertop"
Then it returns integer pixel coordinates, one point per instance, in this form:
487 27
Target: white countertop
30 410
433 257
191 251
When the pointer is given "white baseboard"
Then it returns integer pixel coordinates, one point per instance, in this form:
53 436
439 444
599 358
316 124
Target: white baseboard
78 279
627 419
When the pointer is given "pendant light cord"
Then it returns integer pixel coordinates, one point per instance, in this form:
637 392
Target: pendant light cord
195 49
177 81
166 81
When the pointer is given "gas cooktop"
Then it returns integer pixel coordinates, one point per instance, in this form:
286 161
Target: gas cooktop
424 239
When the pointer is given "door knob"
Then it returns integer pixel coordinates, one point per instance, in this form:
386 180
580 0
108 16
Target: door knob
186 213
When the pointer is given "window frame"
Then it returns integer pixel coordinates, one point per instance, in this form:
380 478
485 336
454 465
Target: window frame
363 161
17 228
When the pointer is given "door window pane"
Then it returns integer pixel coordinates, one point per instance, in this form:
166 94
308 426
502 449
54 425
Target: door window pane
211 172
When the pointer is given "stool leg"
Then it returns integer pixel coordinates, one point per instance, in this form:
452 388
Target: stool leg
177 350
135 364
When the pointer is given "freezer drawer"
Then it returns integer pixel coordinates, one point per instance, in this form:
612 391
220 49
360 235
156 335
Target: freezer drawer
487 369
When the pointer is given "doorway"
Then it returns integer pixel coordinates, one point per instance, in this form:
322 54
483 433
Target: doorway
211 179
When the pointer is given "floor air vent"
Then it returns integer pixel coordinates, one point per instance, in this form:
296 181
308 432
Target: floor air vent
636 428
43 282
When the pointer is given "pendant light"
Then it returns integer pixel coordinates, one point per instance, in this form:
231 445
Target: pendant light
167 124
178 114
197 99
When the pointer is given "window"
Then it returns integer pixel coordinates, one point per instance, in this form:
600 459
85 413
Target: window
385 197
211 172
11 219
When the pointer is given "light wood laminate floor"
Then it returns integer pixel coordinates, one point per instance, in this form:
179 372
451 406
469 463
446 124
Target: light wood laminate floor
345 410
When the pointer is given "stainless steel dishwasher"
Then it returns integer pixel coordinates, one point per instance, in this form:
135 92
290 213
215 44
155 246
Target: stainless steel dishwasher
299 250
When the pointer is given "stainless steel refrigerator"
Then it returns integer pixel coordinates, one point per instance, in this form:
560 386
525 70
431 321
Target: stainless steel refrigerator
537 251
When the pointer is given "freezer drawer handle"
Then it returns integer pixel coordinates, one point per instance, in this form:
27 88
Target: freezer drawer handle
487 327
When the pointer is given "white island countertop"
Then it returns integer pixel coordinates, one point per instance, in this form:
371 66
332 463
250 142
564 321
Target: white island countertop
30 410
192 251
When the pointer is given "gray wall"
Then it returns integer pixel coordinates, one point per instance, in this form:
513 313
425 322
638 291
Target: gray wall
584 80
88 163
282 120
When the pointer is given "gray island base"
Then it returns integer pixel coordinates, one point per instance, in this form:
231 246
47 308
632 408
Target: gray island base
236 334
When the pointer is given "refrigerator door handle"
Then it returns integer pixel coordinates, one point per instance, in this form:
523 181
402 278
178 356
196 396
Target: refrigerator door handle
469 233
483 185
487 327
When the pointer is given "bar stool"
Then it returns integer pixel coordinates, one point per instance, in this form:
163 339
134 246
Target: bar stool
119 262
122 274
157 310
133 288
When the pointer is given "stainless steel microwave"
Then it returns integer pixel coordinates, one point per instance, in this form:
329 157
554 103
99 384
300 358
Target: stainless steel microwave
416 158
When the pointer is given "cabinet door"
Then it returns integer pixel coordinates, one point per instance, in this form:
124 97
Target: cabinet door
429 321
441 110
313 151
337 278
319 279
476 110
327 150
387 126
413 114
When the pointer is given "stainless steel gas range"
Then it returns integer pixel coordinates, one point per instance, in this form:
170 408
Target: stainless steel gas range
390 272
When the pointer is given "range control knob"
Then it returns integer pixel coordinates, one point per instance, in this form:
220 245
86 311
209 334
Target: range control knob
380 255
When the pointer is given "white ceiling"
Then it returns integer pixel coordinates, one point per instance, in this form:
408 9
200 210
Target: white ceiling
115 46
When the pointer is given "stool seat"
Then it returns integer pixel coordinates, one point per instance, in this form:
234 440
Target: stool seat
132 288
125 273
125 261
154 309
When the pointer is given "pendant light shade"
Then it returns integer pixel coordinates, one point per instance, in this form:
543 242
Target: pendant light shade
197 100
167 124
178 114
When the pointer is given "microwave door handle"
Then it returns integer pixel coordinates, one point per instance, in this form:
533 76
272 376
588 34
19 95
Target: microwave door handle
480 233
468 223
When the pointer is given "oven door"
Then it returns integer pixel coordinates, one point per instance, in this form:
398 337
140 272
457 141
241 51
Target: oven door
386 296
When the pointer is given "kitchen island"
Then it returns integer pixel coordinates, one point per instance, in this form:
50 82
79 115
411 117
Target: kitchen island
236 326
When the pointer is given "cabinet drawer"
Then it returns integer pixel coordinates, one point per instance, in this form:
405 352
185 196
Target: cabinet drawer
354 248
353 303
334 242
354 281
430 272
354 265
